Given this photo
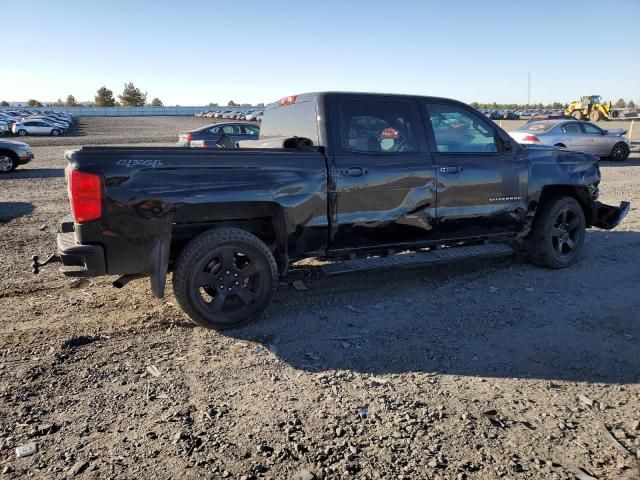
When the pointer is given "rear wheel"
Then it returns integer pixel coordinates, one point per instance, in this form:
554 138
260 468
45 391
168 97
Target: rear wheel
224 278
55 132
8 162
560 145
619 152
577 114
22 132
595 116
558 233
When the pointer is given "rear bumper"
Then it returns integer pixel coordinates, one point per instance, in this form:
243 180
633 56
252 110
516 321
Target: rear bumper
608 217
89 257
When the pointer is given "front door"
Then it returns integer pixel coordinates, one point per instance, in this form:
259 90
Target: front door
482 178
384 177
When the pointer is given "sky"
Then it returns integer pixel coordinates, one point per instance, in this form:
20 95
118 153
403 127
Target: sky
199 51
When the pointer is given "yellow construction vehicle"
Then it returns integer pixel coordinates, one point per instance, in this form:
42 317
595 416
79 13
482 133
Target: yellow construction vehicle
591 107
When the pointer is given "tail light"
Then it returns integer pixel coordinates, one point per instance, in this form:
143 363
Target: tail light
530 138
188 137
291 99
85 195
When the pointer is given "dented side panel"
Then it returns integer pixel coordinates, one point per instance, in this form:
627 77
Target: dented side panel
555 167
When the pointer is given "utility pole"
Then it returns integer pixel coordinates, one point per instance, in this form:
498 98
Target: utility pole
528 88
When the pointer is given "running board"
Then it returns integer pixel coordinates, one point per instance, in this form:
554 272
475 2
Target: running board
420 258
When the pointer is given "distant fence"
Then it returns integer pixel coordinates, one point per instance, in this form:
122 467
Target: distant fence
129 111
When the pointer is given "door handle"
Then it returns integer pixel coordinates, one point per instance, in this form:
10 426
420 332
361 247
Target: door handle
354 171
451 169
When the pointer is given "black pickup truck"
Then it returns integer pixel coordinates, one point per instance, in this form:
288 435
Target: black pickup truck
368 180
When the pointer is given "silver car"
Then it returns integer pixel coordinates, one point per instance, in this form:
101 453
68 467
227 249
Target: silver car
575 135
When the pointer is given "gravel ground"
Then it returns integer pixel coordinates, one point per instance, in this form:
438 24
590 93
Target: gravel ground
479 370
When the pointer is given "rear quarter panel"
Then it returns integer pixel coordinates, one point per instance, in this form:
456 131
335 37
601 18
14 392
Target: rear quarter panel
152 193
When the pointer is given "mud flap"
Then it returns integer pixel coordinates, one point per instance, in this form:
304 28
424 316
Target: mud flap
608 217
158 265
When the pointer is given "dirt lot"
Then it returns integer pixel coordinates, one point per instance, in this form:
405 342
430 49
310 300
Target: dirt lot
481 370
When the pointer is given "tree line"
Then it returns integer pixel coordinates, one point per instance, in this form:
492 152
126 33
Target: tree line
621 103
131 96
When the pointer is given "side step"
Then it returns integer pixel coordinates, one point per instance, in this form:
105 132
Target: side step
420 258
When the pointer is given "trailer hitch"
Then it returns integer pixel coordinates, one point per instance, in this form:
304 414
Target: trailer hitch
35 265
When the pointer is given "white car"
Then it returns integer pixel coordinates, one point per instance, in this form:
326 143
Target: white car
36 127
252 116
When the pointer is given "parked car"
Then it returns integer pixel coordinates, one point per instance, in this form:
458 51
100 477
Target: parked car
12 154
252 116
536 117
496 115
36 127
575 135
509 115
333 175
237 131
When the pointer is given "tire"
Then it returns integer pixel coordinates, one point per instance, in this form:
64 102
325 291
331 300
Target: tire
55 132
228 260
619 152
595 116
558 233
8 162
560 145
22 132
577 114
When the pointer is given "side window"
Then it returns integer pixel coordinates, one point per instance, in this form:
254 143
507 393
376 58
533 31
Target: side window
378 126
572 128
592 129
215 130
231 129
458 131
251 130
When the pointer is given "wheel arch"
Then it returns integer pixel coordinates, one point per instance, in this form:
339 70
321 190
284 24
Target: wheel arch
265 220
9 153
579 192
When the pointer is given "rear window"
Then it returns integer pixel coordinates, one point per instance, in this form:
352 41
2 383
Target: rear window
538 127
296 120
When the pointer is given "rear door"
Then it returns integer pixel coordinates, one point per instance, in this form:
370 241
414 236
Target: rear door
570 135
482 179
384 176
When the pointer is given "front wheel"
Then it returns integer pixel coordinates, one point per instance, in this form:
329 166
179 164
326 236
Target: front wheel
558 233
22 132
8 163
224 278
595 116
619 152
55 132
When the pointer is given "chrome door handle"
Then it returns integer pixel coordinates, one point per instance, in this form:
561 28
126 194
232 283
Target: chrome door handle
354 171
451 169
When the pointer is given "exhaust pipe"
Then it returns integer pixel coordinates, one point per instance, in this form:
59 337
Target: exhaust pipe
124 279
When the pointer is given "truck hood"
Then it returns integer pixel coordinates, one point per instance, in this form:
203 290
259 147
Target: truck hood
616 132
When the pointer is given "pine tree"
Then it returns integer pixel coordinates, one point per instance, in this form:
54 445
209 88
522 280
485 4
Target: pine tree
104 98
132 96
